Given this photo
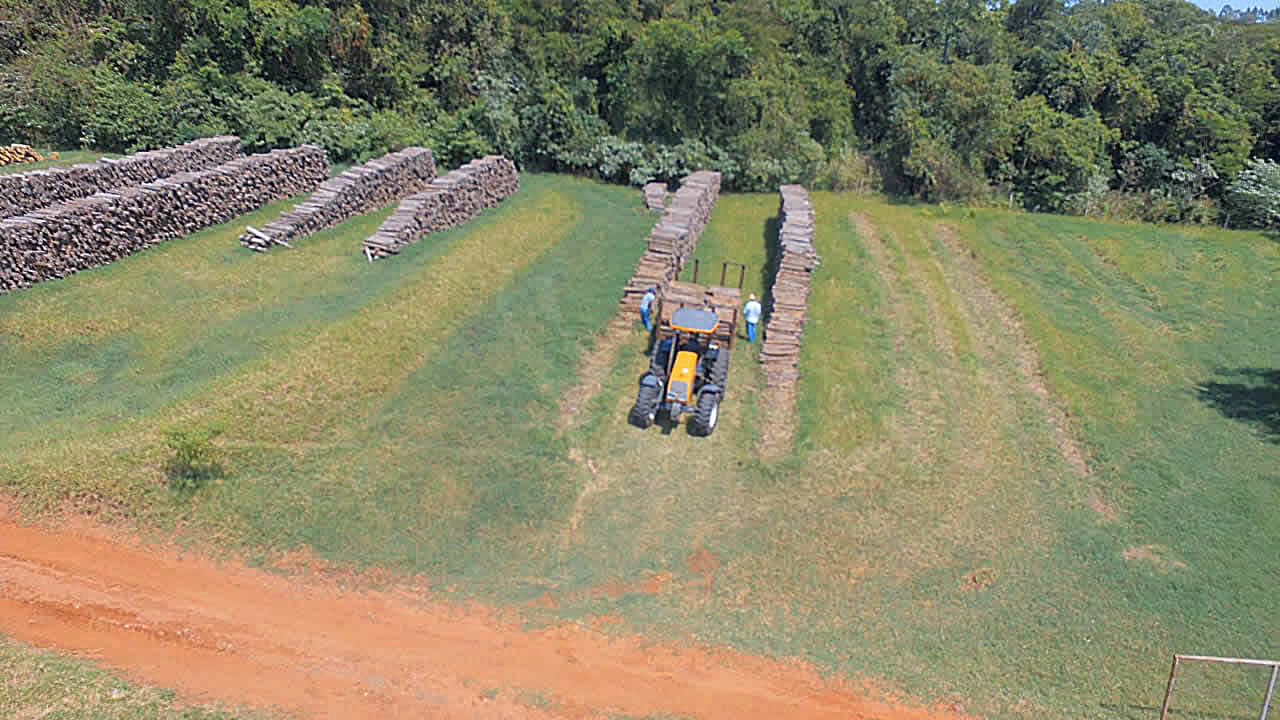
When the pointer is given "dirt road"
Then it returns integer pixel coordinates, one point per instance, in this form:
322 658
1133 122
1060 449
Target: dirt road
246 637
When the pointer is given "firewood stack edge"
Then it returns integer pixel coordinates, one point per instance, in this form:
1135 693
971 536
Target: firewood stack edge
355 191
22 193
62 239
447 202
671 242
655 196
788 305
18 154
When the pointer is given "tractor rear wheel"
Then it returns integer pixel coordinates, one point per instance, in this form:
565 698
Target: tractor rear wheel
658 361
720 369
646 407
708 413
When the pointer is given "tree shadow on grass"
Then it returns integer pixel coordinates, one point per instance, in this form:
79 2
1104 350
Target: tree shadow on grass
1251 395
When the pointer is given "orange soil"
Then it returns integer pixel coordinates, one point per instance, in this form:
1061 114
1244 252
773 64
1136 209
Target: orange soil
237 635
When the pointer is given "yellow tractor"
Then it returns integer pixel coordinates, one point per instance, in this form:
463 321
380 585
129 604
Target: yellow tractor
687 371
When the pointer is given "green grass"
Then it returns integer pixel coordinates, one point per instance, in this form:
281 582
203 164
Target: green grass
743 230
44 684
927 532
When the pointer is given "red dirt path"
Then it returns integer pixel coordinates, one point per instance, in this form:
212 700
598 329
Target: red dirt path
245 637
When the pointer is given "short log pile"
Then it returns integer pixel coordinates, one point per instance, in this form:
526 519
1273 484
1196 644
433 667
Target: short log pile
671 242
358 190
22 193
726 302
789 297
17 153
448 201
655 196
62 239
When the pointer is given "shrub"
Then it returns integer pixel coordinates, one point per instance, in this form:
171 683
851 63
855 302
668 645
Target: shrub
1254 197
195 458
849 170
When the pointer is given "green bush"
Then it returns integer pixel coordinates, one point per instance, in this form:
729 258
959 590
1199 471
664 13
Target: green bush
122 117
849 170
195 458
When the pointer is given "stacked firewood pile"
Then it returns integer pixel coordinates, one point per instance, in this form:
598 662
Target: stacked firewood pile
62 239
24 192
17 153
789 297
358 190
671 242
448 202
725 302
655 196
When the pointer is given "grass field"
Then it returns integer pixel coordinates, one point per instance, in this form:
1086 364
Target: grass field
43 684
1034 456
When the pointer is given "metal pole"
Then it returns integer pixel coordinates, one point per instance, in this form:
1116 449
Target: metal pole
742 275
695 270
724 268
1271 688
1168 691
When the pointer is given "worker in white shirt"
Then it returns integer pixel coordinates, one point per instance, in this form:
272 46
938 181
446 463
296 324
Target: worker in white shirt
751 313
646 304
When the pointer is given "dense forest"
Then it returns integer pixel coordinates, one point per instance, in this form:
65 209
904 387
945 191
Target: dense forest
1150 109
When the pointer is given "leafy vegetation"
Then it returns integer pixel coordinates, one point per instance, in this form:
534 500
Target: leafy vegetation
195 458
1141 108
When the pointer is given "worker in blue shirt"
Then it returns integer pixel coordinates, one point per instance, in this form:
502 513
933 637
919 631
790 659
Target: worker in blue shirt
751 313
646 304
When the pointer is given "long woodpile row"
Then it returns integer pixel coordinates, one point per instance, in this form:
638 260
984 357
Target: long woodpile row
22 193
671 241
655 196
62 239
449 201
789 297
17 153
358 190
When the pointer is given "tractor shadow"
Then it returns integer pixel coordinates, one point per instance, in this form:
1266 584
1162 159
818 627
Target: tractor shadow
1250 395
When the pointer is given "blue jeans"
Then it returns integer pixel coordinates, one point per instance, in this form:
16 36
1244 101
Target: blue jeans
751 332
644 316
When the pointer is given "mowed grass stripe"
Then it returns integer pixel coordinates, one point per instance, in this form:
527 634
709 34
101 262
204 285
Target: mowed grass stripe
456 466
297 386
349 364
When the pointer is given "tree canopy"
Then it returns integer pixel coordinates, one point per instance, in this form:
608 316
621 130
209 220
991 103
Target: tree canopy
1058 106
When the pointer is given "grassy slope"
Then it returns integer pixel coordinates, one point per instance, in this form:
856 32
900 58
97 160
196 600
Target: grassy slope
325 372
44 684
928 533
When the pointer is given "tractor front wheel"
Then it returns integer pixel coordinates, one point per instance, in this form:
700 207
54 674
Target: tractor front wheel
708 413
646 407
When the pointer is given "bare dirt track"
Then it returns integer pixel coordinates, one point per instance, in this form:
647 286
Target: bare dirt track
230 633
